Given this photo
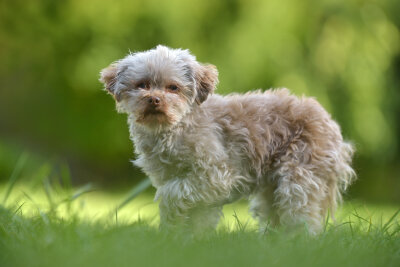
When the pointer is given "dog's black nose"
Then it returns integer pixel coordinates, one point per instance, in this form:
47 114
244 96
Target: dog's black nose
154 100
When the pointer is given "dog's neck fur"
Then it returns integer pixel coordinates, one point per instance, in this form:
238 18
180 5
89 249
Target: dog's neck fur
163 153
164 138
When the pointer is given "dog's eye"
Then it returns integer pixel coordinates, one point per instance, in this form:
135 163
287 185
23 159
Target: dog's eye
172 87
142 85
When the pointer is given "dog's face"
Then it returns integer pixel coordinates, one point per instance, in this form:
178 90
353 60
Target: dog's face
160 86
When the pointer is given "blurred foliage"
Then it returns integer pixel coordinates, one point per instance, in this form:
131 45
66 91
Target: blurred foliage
343 52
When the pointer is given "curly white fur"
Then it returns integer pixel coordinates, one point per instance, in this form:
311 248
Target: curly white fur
203 150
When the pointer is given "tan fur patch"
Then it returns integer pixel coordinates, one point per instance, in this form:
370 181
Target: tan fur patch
207 80
108 77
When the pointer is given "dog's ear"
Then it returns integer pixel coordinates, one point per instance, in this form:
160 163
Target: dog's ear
206 80
108 77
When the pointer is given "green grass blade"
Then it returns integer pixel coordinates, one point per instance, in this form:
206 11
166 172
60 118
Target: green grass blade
369 225
66 176
28 197
238 222
15 175
360 218
48 191
41 174
137 190
351 227
87 188
19 208
388 223
396 231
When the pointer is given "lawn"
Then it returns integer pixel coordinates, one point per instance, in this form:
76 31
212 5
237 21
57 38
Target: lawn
48 225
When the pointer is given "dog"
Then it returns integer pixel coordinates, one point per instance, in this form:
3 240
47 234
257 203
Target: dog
203 150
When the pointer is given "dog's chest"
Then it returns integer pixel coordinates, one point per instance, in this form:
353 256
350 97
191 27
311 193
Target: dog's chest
163 158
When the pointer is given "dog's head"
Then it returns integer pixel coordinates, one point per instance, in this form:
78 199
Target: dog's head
160 86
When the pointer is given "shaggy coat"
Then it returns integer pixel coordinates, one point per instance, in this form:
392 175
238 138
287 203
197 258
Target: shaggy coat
203 150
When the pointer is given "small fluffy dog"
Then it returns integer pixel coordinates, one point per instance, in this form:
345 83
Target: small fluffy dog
203 150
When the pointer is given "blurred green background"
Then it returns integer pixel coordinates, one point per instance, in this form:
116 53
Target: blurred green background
343 52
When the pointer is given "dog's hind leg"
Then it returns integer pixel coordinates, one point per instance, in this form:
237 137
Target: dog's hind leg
262 209
300 197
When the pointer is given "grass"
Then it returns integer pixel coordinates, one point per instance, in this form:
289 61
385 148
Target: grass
44 224
48 240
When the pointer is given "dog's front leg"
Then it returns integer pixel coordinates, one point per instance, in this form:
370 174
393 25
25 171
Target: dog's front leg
175 203
183 206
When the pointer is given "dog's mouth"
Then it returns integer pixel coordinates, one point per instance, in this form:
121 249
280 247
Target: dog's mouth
151 116
153 112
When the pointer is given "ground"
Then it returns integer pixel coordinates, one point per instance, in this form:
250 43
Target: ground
50 226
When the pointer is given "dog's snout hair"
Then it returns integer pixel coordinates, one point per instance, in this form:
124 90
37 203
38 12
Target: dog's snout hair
202 150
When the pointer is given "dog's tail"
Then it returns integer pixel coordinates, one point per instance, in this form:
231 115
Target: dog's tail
344 175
